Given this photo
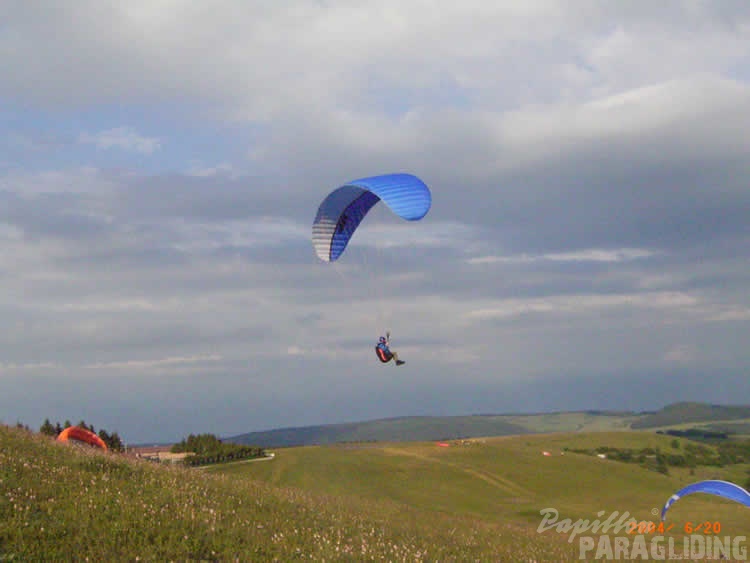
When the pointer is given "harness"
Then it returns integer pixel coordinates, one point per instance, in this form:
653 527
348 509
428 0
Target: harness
383 353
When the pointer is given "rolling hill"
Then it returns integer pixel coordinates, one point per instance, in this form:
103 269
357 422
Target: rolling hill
681 413
428 428
407 429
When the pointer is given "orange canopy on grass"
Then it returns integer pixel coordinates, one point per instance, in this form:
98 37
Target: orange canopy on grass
82 435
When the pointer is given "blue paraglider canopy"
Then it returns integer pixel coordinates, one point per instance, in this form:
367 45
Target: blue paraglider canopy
719 488
344 208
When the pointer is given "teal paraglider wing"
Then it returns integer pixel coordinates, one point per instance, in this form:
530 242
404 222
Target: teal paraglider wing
719 488
344 208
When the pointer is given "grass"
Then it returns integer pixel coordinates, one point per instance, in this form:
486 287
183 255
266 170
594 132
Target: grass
477 500
501 480
59 502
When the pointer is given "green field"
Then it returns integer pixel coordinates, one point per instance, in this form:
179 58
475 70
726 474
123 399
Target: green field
476 500
496 479
503 480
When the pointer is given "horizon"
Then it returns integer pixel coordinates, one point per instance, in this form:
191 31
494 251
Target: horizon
341 423
228 436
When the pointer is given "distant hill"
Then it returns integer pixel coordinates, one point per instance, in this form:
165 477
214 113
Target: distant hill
680 413
427 428
403 429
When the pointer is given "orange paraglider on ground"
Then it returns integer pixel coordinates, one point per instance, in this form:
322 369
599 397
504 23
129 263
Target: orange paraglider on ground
76 433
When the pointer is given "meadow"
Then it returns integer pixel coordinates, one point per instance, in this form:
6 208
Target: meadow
474 500
505 479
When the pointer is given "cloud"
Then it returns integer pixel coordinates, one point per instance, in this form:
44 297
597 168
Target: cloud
30 366
576 304
589 176
410 51
223 168
30 184
680 354
589 255
124 138
440 234
149 364
733 314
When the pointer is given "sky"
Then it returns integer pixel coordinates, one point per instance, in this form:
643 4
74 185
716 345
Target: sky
162 161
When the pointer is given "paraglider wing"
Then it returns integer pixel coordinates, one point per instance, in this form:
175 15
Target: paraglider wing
720 488
344 208
82 435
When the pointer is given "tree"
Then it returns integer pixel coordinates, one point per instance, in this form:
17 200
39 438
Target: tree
83 425
47 429
116 443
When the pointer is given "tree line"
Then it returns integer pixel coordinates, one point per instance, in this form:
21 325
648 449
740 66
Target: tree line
696 434
690 455
113 441
208 449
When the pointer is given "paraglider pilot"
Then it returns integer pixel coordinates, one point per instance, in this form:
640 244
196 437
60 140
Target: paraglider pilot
384 352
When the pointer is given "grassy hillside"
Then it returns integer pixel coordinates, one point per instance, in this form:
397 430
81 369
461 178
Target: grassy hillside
589 421
500 480
476 499
739 427
58 502
681 413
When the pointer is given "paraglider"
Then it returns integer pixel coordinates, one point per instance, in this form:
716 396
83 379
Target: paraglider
76 433
719 488
343 209
384 352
